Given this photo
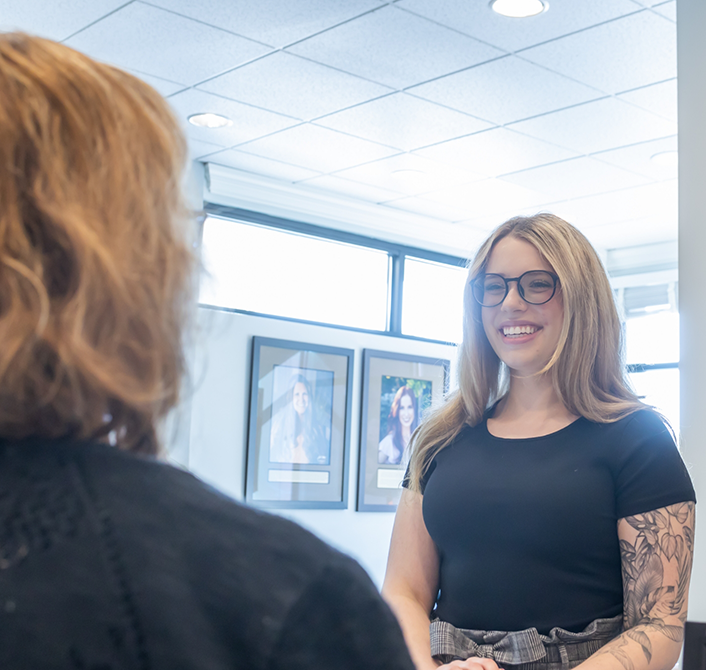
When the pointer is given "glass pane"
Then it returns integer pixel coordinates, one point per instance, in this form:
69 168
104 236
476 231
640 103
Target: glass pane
660 388
271 271
432 300
653 338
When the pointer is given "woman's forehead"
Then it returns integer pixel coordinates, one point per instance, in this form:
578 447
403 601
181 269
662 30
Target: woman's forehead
511 256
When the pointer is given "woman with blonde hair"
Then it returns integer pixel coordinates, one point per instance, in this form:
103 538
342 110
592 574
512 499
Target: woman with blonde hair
547 520
110 558
297 436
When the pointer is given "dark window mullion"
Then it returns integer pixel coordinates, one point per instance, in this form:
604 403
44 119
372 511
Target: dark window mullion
396 287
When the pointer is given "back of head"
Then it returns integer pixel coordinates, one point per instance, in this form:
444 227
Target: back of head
95 270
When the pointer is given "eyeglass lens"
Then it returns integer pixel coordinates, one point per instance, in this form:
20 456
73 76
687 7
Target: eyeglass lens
536 288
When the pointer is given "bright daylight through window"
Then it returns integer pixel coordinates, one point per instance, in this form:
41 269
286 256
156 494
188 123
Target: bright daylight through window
432 300
270 271
652 344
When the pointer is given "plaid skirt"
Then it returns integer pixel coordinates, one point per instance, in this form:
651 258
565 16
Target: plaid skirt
524 649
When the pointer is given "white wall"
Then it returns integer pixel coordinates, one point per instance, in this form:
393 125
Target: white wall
218 432
691 53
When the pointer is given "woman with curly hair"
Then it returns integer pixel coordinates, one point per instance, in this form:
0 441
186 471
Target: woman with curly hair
109 557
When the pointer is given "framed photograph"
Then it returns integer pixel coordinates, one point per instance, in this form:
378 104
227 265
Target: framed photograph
299 425
397 392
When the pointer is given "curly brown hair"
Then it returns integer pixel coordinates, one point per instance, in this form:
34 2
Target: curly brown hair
95 265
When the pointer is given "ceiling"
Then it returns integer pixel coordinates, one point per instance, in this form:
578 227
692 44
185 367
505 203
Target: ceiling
437 107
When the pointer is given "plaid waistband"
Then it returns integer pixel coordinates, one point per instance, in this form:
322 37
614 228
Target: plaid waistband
526 648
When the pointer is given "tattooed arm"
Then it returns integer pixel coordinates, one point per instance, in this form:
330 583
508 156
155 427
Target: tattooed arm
657 549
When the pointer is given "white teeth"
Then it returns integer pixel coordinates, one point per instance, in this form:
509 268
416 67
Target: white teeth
519 330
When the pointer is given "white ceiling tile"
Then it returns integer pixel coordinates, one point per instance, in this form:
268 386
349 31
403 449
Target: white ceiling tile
483 197
144 38
505 90
638 158
248 122
667 9
198 149
646 230
403 121
259 165
274 22
409 174
437 210
478 20
351 188
55 19
597 126
495 152
620 55
658 98
491 221
295 86
394 48
162 86
576 178
659 200
317 148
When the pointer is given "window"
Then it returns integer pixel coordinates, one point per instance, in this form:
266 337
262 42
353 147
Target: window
259 269
659 388
432 300
652 344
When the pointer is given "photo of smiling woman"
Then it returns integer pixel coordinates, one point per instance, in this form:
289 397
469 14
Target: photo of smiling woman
547 518
401 423
301 430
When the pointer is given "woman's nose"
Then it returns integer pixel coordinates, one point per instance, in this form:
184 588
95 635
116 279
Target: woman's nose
513 300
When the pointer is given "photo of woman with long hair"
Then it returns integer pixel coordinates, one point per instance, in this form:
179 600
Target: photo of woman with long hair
401 423
297 436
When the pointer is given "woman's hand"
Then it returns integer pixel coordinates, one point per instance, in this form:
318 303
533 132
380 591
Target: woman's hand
472 663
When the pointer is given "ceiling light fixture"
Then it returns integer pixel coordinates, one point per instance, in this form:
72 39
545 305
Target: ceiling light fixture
209 120
666 158
519 9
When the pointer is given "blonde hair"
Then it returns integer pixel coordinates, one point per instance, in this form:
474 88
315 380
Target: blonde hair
95 270
586 368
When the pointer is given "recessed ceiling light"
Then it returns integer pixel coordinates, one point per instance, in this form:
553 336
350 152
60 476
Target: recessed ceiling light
666 158
209 120
519 9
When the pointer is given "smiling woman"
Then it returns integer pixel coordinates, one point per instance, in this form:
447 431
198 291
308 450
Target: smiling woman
544 502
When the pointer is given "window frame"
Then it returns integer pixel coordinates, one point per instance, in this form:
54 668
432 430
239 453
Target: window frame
397 254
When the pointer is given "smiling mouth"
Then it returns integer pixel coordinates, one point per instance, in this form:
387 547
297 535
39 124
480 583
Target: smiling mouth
518 331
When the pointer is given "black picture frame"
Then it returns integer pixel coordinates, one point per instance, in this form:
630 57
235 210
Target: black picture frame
395 388
298 425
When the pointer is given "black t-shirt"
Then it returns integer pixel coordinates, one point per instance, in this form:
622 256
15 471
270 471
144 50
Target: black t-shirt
109 560
527 528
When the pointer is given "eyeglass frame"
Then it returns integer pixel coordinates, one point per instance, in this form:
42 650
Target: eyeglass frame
520 290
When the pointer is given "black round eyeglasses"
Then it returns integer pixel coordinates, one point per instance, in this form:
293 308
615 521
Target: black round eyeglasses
535 287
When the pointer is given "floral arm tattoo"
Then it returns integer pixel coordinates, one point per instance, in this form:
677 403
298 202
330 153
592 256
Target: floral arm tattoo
657 549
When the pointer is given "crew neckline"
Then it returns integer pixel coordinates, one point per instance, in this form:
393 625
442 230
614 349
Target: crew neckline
555 433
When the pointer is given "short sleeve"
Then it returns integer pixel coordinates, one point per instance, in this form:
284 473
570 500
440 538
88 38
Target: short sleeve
425 476
341 622
650 473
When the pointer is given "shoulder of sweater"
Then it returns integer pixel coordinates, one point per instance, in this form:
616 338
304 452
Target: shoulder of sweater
150 497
